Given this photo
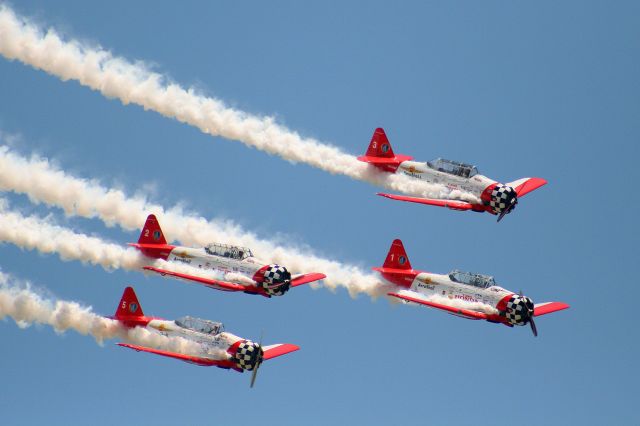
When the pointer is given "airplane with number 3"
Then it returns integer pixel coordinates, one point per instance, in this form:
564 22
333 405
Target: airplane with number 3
216 347
464 294
494 197
247 273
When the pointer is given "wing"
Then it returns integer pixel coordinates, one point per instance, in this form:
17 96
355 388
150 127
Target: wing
217 284
207 362
279 349
457 311
307 278
548 307
526 185
451 204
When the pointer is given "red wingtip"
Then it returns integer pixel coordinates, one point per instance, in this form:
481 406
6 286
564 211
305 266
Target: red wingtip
280 350
547 308
525 186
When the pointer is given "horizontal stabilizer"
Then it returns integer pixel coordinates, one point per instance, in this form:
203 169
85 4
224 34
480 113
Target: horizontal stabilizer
307 278
450 204
548 307
273 351
526 185
220 285
457 311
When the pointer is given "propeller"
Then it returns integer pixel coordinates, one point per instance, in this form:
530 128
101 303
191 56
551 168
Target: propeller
255 369
508 209
533 326
530 313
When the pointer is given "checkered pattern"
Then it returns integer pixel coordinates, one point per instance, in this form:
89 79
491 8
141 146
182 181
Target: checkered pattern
519 310
249 355
276 280
502 197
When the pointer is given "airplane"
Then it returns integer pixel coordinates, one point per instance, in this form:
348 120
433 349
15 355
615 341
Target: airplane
217 347
251 275
495 197
464 294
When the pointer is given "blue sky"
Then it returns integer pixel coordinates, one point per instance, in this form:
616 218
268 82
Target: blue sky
517 88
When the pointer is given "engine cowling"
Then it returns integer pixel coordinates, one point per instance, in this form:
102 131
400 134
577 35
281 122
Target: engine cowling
519 310
503 198
248 355
277 280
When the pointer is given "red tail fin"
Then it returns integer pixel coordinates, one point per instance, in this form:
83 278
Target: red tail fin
379 145
151 232
380 153
129 307
397 257
397 268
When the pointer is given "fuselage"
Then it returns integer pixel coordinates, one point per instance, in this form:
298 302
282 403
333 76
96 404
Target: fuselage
472 183
213 345
456 290
202 259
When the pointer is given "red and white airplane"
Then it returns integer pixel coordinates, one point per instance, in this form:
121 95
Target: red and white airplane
249 274
216 347
495 197
464 294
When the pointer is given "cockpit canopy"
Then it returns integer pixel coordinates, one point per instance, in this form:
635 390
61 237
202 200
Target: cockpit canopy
200 325
476 280
453 167
224 250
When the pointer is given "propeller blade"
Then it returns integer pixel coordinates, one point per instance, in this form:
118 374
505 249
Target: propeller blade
507 210
253 375
258 364
533 327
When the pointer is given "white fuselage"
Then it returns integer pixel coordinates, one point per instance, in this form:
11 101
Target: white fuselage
419 170
440 288
212 345
199 258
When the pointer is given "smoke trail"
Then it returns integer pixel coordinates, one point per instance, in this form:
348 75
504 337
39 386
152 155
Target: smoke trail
25 306
44 183
34 233
115 77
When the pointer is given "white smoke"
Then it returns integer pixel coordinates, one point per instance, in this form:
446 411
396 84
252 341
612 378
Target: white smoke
41 234
25 306
116 77
44 183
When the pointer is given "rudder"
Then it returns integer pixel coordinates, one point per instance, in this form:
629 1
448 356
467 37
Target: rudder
397 257
379 145
151 232
129 306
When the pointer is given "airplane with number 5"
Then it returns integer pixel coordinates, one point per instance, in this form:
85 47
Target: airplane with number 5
464 294
247 274
494 197
215 346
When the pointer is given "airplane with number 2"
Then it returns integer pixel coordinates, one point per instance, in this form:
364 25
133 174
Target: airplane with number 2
251 275
494 197
464 294
216 347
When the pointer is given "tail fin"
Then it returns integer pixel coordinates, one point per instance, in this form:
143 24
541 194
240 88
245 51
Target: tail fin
380 153
379 145
397 268
129 307
397 257
151 232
